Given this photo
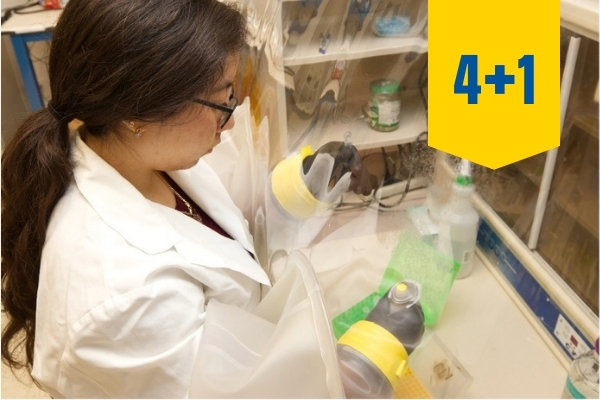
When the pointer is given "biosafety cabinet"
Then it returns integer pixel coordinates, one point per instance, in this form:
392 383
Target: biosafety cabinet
315 68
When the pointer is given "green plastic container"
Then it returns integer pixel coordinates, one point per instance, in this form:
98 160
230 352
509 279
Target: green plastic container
416 259
413 258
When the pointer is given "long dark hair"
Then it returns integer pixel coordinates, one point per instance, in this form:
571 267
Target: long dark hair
109 61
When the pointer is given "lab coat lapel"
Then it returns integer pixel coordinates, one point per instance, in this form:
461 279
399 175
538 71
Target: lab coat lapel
154 228
203 185
200 245
119 203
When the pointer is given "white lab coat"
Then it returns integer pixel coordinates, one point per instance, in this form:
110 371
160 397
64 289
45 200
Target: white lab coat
127 287
124 283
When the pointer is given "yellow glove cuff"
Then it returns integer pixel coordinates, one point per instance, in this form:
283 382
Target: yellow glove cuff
290 190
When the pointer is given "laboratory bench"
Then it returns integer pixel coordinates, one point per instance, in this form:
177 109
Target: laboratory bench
494 338
24 29
486 343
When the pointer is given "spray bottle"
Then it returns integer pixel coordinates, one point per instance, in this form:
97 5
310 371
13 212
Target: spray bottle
459 222
374 352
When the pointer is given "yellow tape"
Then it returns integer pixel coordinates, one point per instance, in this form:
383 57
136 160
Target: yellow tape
378 345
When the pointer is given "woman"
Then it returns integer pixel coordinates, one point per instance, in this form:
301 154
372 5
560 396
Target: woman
115 237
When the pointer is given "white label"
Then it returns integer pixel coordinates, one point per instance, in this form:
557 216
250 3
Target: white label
389 112
569 338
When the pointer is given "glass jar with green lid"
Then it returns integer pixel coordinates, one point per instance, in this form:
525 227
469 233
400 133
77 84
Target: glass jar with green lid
384 105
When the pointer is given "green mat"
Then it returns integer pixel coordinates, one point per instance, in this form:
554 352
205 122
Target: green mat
415 259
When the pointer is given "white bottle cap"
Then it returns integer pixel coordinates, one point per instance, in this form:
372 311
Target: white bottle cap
406 292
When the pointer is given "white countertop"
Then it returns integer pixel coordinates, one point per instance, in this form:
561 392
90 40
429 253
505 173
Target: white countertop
481 325
486 331
31 23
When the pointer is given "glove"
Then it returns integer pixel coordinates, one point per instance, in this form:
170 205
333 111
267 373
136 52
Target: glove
319 176
344 164
307 183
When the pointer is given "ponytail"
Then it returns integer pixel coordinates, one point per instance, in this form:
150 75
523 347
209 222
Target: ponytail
36 171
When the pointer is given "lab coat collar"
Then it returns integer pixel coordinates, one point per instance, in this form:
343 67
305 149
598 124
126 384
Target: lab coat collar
143 225
215 203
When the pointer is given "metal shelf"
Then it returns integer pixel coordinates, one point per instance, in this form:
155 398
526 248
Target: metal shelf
369 46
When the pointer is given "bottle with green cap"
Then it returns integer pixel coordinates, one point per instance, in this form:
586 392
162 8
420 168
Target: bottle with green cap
460 222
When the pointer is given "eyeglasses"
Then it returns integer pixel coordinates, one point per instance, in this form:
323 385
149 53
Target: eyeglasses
227 110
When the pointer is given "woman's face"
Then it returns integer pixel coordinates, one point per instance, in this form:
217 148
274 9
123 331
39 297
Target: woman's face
180 142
